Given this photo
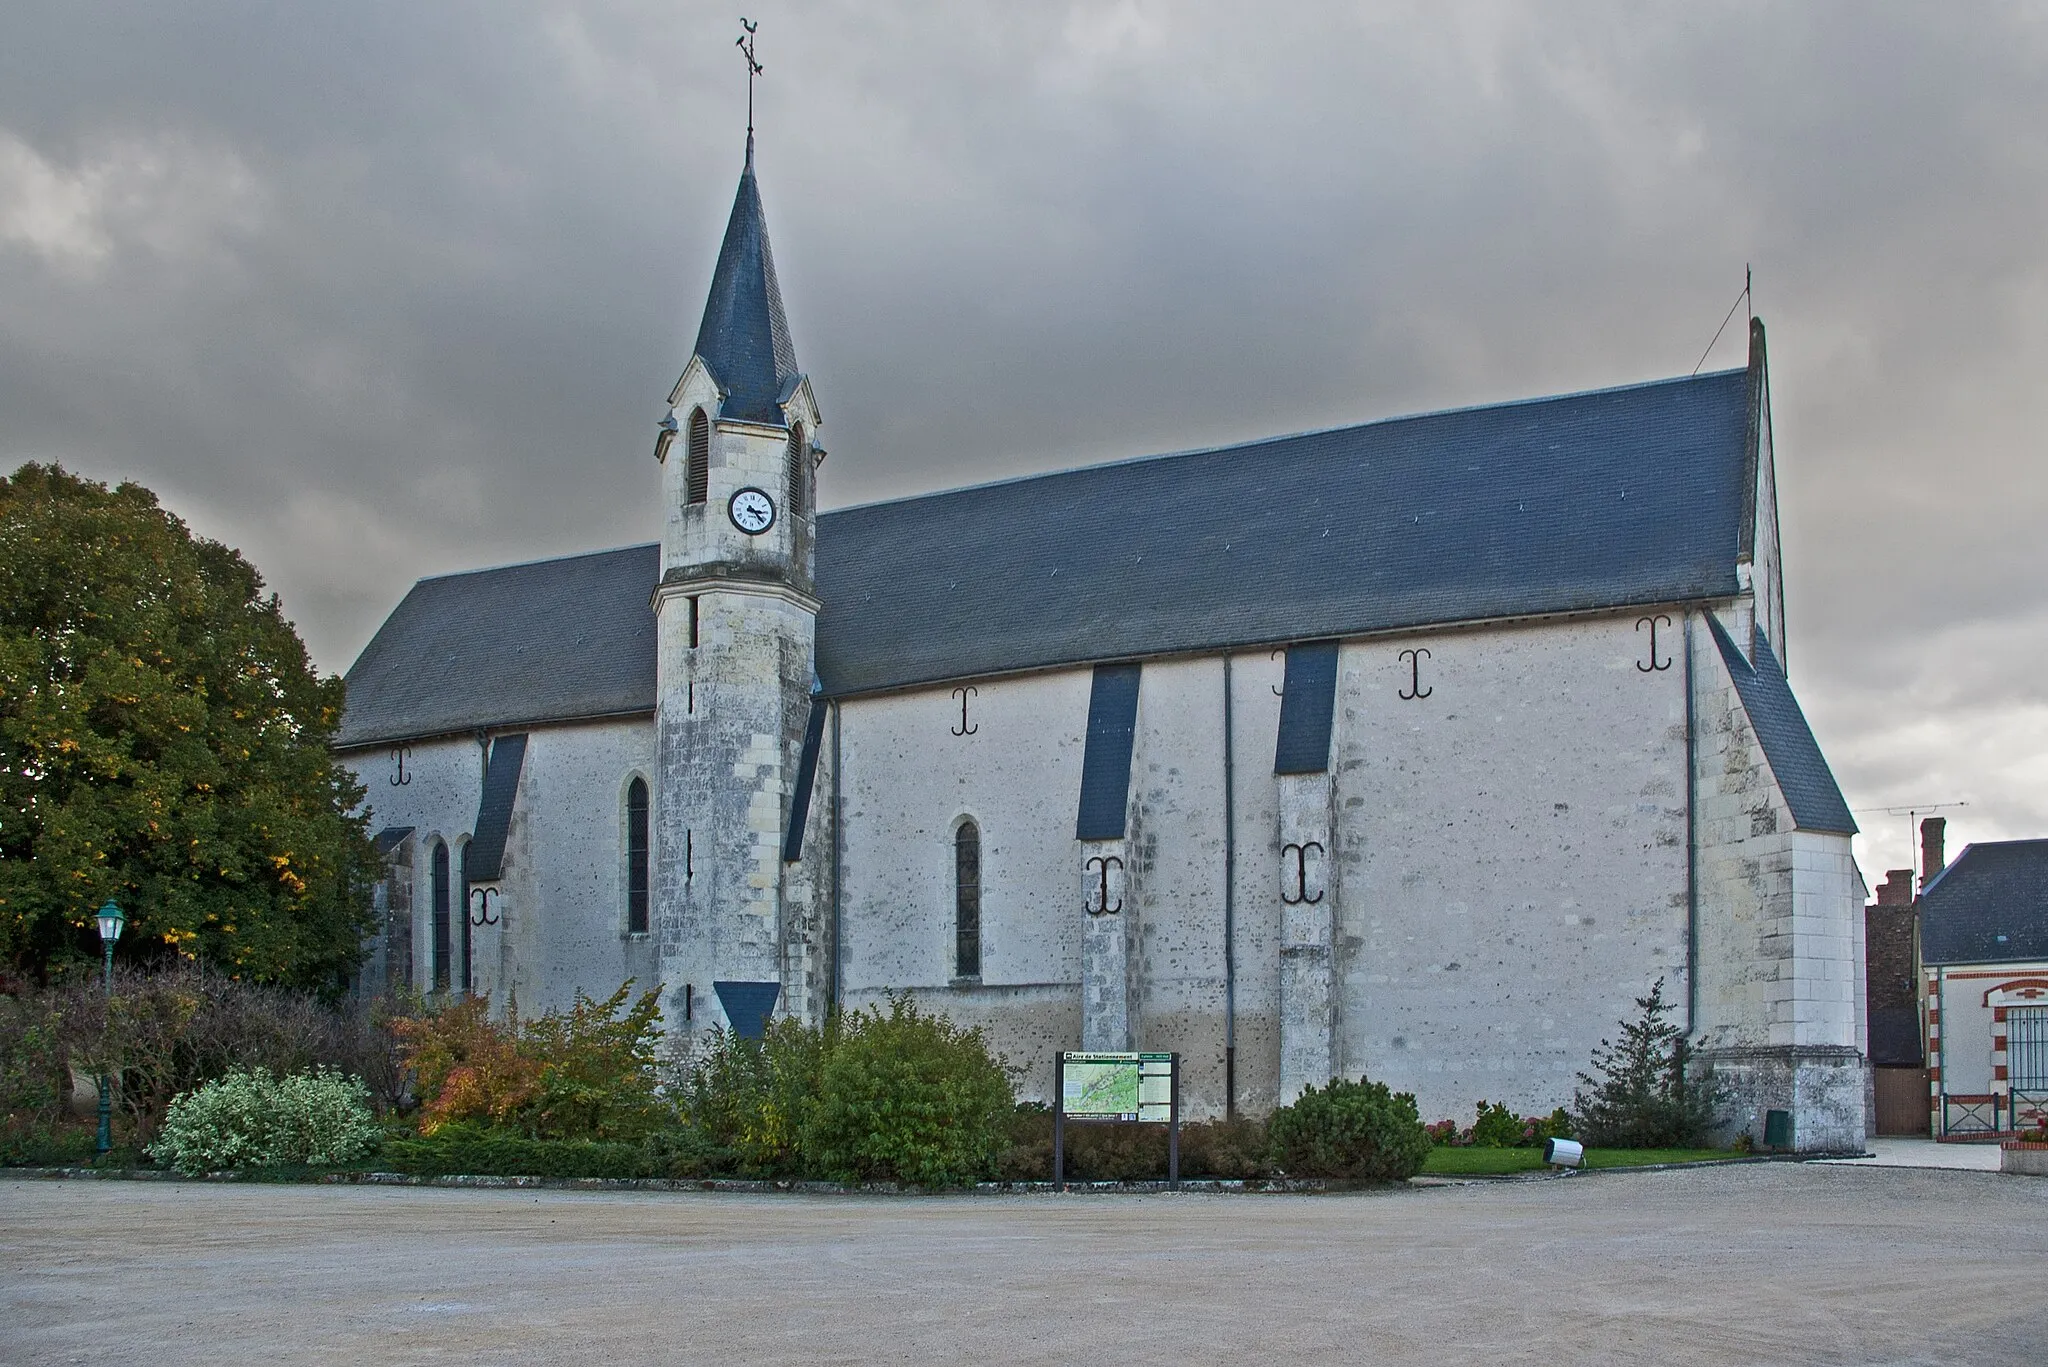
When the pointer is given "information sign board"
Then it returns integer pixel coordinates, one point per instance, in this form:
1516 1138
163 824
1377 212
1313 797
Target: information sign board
1116 1086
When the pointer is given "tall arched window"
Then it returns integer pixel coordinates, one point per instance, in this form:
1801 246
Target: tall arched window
444 945
967 900
636 857
798 458
698 474
462 913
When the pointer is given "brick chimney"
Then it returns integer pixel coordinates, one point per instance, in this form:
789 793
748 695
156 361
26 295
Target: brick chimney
1897 889
1932 829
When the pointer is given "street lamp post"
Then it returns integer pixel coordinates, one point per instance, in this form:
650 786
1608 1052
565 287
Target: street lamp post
111 920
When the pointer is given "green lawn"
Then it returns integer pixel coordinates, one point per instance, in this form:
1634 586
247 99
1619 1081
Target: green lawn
1475 1162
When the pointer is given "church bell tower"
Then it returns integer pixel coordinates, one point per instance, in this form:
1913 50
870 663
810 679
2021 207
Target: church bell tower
737 616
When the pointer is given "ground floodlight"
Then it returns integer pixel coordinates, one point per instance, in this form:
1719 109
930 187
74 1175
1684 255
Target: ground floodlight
1564 1153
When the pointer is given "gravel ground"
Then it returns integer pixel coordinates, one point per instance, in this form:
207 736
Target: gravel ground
1770 1263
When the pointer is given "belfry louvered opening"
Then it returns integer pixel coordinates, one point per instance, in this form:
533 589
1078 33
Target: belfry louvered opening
798 457
698 473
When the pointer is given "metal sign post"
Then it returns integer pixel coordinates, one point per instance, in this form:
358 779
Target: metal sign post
1059 1122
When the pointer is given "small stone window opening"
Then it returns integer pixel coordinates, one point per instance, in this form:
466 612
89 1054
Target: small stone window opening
798 458
636 857
967 901
698 474
444 939
693 622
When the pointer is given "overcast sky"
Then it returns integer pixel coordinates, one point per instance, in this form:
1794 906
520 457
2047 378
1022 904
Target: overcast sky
380 290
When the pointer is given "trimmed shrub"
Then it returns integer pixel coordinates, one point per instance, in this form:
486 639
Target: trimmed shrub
1350 1129
1648 1094
250 1119
1130 1152
465 1149
1238 1149
910 1097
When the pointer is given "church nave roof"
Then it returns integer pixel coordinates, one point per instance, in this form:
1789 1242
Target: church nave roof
1566 504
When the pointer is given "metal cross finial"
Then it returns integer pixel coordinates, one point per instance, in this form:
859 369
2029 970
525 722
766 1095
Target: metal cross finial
745 43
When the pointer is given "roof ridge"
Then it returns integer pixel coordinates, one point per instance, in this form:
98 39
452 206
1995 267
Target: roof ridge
1275 439
540 560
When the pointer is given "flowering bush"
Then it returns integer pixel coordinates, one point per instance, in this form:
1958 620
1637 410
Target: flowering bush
1498 1127
248 1118
587 1073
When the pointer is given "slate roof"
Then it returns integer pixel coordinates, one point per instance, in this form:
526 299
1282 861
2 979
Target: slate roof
744 338
1794 755
1583 501
546 641
483 858
1579 502
1989 906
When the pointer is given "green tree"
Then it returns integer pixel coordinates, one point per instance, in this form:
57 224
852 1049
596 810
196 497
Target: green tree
1649 1094
164 741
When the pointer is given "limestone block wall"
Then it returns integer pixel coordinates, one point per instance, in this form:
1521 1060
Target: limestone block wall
730 734
562 909
910 769
1780 1010
1510 854
1505 868
444 782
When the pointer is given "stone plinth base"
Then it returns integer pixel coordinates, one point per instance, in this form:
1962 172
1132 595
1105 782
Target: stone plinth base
1824 1088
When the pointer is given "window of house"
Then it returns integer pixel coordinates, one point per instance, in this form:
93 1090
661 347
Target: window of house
636 857
2026 1047
967 900
798 458
444 945
698 474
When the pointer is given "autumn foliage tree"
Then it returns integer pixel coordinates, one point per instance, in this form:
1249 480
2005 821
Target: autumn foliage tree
164 741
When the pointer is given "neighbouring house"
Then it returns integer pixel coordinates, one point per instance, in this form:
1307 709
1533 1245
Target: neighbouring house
1984 966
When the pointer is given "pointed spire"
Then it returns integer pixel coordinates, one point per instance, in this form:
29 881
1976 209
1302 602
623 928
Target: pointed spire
744 339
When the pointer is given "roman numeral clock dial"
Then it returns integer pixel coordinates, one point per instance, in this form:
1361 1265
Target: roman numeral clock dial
752 511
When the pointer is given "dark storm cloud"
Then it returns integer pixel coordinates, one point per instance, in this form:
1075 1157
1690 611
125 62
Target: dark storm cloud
381 290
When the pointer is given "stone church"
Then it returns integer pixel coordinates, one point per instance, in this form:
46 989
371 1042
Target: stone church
1418 748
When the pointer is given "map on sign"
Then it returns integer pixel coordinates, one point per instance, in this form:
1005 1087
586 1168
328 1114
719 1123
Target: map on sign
1117 1087
1100 1087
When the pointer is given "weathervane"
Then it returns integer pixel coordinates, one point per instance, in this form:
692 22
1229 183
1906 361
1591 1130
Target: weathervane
745 43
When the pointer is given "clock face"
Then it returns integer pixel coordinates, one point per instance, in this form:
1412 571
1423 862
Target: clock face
752 511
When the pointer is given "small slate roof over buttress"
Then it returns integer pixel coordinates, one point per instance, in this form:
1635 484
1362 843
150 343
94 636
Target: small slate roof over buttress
1576 503
1989 906
1796 762
744 338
